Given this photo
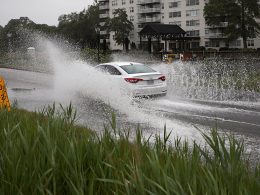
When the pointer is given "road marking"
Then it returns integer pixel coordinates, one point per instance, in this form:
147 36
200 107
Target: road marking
4 101
209 117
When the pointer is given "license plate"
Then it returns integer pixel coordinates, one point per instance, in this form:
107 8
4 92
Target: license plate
150 82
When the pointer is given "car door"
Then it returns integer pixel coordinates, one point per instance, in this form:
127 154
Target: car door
116 75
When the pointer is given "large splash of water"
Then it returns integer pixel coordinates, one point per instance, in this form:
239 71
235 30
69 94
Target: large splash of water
222 80
211 80
75 78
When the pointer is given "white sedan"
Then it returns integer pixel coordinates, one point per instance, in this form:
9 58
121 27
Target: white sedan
137 79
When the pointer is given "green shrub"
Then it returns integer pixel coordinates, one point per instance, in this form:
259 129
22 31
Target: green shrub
45 153
91 55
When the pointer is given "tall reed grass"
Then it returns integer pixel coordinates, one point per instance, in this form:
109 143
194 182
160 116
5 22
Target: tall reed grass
46 153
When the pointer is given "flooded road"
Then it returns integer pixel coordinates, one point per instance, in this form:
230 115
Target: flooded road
200 96
33 91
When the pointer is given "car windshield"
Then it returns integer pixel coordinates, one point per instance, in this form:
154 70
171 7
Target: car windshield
135 69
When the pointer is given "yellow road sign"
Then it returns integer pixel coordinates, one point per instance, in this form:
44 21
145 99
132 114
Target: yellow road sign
4 101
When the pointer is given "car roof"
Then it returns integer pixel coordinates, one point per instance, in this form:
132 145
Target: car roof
121 63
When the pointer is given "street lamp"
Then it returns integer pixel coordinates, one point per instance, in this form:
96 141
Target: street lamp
97 29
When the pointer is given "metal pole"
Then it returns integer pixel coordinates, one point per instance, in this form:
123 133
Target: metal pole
141 45
98 48
165 46
97 29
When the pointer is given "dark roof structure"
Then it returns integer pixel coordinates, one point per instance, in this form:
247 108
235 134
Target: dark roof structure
162 30
166 32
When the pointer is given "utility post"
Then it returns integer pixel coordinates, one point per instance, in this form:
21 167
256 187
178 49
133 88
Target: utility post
97 29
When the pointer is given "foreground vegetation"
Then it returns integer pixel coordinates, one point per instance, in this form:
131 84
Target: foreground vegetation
45 153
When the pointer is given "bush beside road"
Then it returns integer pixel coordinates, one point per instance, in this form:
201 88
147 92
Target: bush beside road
46 152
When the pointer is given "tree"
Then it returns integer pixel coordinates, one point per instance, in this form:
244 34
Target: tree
241 16
12 33
16 35
1 39
87 30
120 25
80 27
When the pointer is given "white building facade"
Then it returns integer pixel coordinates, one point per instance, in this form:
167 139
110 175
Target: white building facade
188 14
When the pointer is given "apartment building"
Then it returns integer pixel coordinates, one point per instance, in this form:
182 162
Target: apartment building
188 14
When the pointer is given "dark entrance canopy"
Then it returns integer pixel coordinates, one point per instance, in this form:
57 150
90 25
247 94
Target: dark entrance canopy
164 32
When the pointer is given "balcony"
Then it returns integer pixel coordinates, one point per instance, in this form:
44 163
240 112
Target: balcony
139 29
103 32
144 2
103 7
149 10
221 25
149 19
101 40
215 35
104 15
102 23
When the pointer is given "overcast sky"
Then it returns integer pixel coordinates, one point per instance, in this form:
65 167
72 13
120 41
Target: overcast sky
39 11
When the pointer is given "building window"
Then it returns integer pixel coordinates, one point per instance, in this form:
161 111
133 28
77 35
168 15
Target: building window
174 4
193 33
192 23
176 23
195 44
212 43
131 1
132 18
192 2
251 32
131 9
123 2
192 13
114 3
250 43
172 46
236 43
174 14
